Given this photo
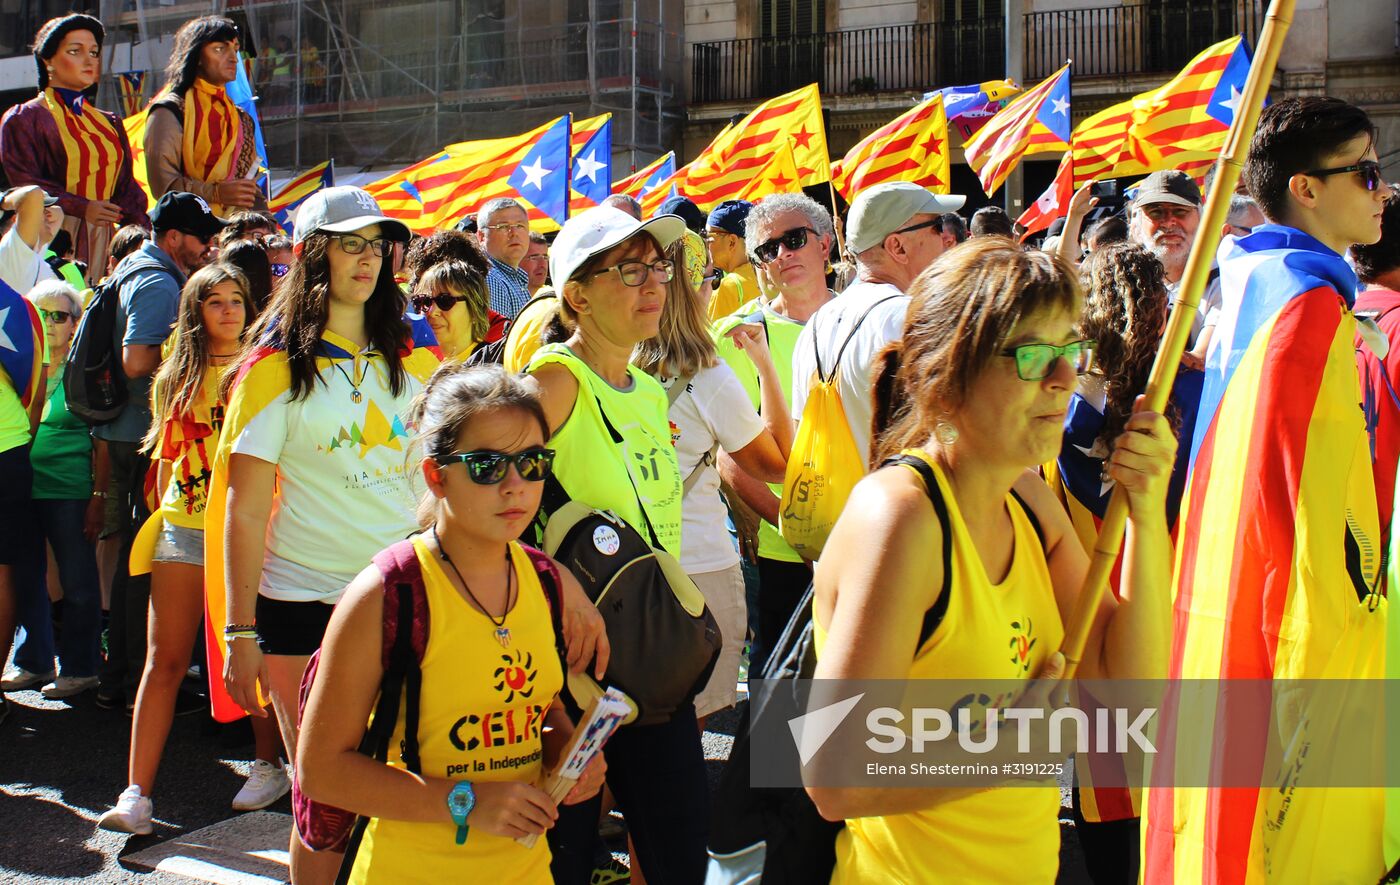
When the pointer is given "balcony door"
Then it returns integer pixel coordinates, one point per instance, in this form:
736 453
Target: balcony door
792 44
1175 30
971 42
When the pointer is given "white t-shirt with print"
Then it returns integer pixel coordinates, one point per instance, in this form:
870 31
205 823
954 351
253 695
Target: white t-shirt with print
714 408
21 267
831 325
345 488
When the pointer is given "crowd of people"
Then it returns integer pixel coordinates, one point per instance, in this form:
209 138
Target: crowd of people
291 405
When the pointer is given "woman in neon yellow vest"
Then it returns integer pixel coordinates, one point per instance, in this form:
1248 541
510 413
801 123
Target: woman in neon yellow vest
975 397
612 273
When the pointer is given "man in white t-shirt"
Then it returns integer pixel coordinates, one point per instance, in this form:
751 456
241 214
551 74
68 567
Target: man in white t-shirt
895 231
33 218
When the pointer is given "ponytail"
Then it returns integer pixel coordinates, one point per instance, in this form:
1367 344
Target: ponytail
885 411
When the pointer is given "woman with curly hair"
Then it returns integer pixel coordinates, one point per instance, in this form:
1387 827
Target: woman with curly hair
1125 312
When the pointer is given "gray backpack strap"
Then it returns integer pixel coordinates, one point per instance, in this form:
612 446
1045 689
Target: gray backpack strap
673 393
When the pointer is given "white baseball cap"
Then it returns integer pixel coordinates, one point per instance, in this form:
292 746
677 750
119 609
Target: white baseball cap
343 210
595 231
881 210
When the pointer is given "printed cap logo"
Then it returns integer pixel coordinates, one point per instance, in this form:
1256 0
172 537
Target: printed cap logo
203 205
605 540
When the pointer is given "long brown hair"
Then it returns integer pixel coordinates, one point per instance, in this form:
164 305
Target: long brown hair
962 308
300 308
682 345
182 373
1125 311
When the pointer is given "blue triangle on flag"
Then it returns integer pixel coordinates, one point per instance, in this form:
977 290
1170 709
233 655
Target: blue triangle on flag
1226 96
592 172
542 176
662 172
1054 111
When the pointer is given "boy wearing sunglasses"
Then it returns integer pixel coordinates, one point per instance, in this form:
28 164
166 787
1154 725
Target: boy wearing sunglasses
1279 569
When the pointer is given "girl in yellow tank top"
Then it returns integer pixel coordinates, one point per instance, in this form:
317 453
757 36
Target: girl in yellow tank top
490 724
978 389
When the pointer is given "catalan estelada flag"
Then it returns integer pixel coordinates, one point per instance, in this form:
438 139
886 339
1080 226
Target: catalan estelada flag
724 168
21 344
132 85
135 126
262 378
294 193
1183 121
1277 578
648 177
1034 122
590 147
439 191
911 147
1053 203
778 176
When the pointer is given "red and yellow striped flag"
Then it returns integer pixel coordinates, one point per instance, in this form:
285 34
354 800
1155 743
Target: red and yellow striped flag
135 127
648 177
727 165
911 147
437 191
1035 122
778 176
1183 121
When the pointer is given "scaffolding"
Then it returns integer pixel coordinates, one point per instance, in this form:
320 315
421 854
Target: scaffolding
378 84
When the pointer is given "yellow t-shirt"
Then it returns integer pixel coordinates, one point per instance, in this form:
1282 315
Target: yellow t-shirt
189 442
523 339
997 835
735 288
480 716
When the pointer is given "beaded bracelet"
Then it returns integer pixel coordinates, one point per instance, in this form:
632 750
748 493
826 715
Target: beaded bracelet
240 628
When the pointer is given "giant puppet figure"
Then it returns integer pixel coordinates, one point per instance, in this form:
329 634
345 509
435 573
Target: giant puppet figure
197 139
75 151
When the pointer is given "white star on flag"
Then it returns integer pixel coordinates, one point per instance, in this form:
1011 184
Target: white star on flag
589 166
534 175
1099 452
1233 102
5 340
1060 106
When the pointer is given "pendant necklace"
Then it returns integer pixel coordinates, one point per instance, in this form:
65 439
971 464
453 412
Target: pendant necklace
355 395
502 632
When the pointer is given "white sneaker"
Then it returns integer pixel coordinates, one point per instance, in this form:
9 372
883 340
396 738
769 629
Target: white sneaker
265 785
67 686
132 814
20 679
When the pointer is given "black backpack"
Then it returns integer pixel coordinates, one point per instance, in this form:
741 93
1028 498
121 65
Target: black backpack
781 827
495 352
94 383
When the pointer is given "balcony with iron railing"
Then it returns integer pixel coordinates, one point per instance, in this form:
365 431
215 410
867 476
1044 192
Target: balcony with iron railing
868 60
1139 39
1102 41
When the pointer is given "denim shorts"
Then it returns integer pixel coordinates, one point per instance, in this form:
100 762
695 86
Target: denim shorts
177 544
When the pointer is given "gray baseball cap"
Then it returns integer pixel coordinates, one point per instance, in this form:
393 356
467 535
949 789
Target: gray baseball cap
343 210
883 209
1168 186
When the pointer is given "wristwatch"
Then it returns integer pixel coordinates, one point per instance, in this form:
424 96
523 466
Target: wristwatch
460 803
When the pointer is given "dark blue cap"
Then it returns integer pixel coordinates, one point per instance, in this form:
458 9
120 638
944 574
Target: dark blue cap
730 216
687 210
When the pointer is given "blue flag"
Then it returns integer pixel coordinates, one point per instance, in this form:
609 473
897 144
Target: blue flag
21 343
542 176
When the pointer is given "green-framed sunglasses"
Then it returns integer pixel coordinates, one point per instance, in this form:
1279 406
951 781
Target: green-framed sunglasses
1034 362
487 468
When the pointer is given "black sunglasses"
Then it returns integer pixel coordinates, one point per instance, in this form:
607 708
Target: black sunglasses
1370 172
935 223
794 239
713 277
487 468
423 303
56 316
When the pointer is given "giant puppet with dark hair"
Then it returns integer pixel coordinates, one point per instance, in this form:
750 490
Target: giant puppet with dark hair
203 143
75 151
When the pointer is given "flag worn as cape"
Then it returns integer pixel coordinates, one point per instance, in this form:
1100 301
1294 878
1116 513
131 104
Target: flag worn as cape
1277 578
262 378
21 344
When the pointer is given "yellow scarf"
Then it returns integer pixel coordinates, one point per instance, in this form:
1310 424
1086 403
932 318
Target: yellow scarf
93 148
213 133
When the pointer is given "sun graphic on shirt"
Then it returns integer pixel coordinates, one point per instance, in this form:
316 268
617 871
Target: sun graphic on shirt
516 675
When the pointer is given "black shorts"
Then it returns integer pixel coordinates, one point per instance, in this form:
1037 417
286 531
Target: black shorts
17 539
291 628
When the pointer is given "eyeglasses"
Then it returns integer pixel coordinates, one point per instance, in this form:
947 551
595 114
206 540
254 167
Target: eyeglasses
488 468
1370 172
935 223
509 226
713 277
424 303
794 239
351 244
1034 362
280 270
55 316
634 273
